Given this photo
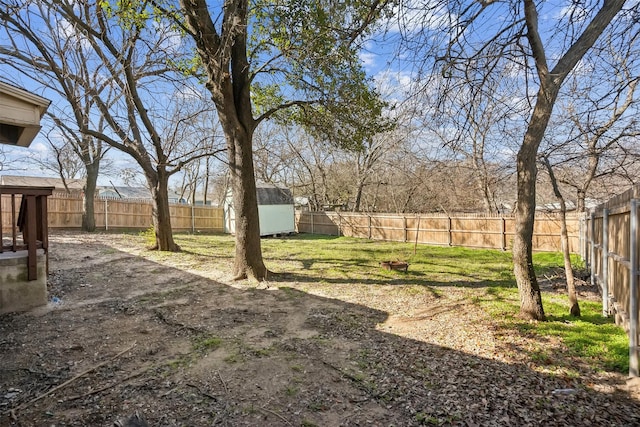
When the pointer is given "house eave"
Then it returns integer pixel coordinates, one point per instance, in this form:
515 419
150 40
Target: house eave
20 115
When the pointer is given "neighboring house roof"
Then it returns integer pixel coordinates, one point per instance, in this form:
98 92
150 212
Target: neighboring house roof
571 206
124 192
37 181
20 115
555 206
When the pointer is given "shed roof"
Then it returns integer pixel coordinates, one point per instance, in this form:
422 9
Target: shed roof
269 194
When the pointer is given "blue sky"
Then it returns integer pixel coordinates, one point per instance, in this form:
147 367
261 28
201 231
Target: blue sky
392 68
373 58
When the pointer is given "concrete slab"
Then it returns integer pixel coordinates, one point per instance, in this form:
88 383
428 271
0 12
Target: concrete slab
16 292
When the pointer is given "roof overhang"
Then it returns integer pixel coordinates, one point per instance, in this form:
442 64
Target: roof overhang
20 115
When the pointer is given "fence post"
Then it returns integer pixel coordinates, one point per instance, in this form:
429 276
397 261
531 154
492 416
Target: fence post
605 262
449 230
581 238
633 293
593 248
106 215
369 218
406 232
339 224
503 231
193 220
312 214
585 241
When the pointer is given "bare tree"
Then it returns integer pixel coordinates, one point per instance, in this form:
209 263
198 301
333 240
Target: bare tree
35 46
311 164
60 159
130 53
574 307
271 156
595 133
472 33
476 123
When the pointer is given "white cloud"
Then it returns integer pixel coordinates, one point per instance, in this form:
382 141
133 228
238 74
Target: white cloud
393 85
39 147
170 41
369 59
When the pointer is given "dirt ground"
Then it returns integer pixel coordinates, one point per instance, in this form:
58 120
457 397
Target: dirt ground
178 342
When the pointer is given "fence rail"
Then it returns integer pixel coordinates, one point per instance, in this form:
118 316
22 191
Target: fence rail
469 230
612 235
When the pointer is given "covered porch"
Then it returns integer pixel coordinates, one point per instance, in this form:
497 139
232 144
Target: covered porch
23 210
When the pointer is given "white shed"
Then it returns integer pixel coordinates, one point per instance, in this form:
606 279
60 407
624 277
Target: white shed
275 210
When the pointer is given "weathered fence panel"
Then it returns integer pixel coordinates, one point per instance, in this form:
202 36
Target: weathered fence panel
469 230
65 211
612 238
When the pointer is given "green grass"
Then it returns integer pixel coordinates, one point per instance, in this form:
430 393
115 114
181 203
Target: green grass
206 344
594 339
329 260
545 261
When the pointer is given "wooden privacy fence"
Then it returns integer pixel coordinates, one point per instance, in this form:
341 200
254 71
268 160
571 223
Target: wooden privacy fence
469 230
612 235
115 214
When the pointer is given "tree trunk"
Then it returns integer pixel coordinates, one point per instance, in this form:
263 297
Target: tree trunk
487 197
229 81
159 187
207 176
530 296
574 307
248 257
88 203
580 200
550 82
358 199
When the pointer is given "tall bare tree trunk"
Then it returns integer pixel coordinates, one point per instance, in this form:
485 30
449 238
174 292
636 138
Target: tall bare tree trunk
550 83
574 307
88 203
248 257
161 216
359 189
530 296
207 176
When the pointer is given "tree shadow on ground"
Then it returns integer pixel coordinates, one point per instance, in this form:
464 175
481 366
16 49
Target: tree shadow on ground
136 335
381 277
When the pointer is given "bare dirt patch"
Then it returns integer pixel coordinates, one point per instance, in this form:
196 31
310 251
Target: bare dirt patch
179 342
